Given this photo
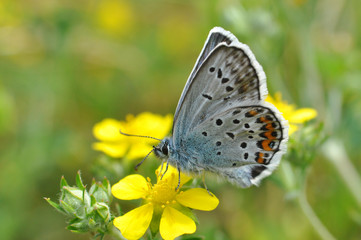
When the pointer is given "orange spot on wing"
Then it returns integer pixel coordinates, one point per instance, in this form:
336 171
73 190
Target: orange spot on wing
269 136
260 158
264 120
252 112
265 145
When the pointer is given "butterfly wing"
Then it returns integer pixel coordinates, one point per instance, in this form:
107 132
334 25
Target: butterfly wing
228 81
216 36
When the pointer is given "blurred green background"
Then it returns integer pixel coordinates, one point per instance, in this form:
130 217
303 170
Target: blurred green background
66 65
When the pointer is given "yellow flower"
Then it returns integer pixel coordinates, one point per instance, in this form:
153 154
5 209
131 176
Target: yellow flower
116 145
294 116
161 201
115 16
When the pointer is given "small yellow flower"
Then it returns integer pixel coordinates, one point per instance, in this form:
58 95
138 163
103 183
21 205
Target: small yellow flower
292 115
161 199
117 145
115 16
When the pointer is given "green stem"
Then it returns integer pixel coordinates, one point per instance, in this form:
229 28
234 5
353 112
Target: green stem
115 233
312 217
335 152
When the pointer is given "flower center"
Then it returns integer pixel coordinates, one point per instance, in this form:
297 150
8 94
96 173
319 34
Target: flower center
162 192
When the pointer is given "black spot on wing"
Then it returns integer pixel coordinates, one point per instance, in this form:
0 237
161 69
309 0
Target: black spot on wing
229 88
219 73
224 80
207 96
236 112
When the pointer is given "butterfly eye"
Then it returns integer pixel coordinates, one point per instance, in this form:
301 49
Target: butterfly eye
165 149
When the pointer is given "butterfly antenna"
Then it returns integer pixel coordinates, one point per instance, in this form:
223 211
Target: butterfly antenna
137 166
133 135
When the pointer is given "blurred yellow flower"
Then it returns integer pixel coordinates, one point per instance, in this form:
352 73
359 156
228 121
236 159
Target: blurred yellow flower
115 16
117 145
294 116
161 201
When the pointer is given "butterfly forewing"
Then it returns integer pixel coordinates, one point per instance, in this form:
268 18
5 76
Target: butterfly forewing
227 78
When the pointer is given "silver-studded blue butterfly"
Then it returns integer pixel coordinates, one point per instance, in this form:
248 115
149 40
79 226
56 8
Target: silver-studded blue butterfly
222 123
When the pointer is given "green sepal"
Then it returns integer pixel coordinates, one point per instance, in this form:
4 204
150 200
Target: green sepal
67 208
118 209
63 182
102 210
92 200
107 187
79 182
154 224
55 205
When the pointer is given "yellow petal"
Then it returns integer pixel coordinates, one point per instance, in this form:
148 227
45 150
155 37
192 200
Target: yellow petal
131 187
138 150
149 124
174 223
133 224
302 115
108 130
198 198
115 150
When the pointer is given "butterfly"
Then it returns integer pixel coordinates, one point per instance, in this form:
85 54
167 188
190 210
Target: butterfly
222 123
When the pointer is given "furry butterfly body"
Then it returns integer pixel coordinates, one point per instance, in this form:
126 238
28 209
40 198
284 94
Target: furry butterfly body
222 123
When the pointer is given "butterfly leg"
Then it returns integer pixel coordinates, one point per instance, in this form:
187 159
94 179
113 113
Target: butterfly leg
166 169
179 175
161 168
204 183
